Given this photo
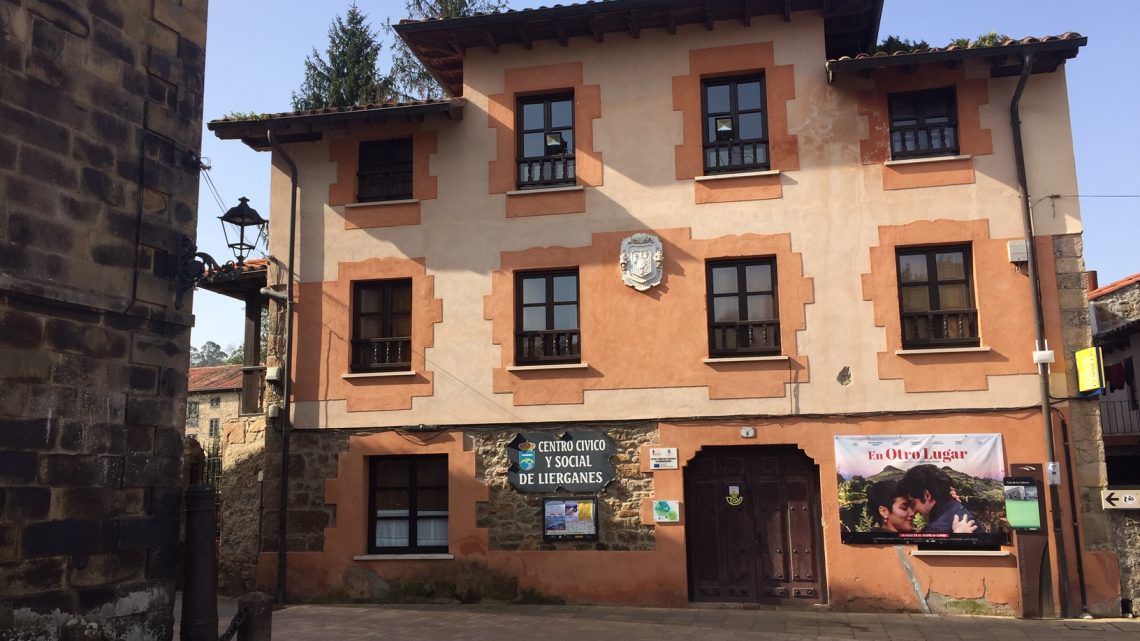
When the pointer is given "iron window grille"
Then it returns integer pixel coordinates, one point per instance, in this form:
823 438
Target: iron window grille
382 326
735 124
924 123
385 170
743 307
936 299
546 321
408 504
545 126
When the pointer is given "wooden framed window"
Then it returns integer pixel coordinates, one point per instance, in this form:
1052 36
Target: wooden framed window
192 408
407 504
382 325
215 427
744 311
385 170
936 298
215 401
924 123
735 124
545 126
546 321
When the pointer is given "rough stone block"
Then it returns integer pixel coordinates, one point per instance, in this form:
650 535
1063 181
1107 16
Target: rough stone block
68 470
23 504
180 19
140 438
50 168
65 537
168 442
28 193
17 468
149 470
165 502
151 350
63 15
103 187
140 534
20 329
39 231
107 10
148 410
32 576
71 436
93 153
94 341
25 433
114 42
103 569
32 129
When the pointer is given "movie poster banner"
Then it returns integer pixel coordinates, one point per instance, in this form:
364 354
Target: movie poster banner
942 489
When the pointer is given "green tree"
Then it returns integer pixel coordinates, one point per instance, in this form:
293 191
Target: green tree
237 356
347 74
407 78
893 44
208 355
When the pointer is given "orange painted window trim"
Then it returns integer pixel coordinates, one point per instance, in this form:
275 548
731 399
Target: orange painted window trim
1001 298
662 340
344 153
324 317
783 147
501 116
875 149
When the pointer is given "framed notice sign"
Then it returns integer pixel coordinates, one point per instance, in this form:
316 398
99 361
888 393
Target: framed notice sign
570 519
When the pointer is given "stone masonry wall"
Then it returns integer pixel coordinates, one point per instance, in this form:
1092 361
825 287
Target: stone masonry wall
241 494
101 103
198 426
514 518
1117 308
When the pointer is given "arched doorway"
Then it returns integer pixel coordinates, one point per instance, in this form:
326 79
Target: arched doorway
753 528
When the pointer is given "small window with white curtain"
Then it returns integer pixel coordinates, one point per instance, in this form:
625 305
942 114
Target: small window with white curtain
408 504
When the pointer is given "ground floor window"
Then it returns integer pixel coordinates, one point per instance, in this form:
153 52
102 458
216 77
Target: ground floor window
408 504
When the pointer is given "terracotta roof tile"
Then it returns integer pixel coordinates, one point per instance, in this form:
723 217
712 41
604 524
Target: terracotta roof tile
1112 287
334 110
1008 42
222 377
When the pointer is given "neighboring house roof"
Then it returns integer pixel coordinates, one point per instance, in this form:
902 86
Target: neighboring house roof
238 284
1005 59
210 379
1114 286
441 45
305 125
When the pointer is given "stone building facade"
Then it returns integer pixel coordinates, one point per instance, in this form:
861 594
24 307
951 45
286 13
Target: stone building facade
573 250
213 397
101 105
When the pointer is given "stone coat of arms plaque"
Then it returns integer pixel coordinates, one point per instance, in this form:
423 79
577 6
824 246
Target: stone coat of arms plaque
641 261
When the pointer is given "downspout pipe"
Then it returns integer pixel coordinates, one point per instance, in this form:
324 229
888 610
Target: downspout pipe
286 421
1039 318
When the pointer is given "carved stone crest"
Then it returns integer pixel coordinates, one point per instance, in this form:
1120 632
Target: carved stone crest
641 260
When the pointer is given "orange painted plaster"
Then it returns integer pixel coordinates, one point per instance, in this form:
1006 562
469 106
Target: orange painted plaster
858 577
501 117
633 339
324 335
783 147
1001 295
972 139
345 154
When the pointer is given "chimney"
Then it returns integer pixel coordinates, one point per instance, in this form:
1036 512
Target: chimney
1090 280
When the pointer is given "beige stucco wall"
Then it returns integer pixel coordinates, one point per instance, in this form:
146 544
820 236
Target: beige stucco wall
832 207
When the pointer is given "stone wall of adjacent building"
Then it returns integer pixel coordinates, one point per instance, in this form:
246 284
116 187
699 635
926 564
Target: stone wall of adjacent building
198 425
101 105
1117 308
241 494
514 519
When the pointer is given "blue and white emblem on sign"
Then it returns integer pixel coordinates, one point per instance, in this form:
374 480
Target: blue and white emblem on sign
526 456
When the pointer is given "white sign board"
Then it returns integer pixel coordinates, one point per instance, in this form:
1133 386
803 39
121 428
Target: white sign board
1120 499
662 458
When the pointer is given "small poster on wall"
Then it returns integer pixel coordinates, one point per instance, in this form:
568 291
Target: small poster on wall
570 519
936 489
666 511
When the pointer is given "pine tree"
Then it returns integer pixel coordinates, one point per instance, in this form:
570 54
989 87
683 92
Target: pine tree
347 75
407 78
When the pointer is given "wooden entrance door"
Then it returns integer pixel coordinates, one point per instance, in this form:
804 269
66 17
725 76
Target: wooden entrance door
752 525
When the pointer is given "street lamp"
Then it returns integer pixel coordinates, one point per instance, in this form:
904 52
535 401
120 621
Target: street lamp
195 266
241 218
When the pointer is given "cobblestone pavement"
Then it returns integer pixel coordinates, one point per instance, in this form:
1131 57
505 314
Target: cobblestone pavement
582 623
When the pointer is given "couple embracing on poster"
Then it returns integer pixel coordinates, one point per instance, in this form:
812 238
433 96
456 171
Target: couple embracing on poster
923 489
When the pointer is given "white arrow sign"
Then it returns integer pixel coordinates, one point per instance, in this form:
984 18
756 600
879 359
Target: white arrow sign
1120 499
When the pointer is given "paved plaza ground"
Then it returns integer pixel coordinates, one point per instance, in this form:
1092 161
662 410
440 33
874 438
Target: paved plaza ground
585 623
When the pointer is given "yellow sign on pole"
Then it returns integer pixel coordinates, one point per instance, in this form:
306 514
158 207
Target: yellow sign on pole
1090 370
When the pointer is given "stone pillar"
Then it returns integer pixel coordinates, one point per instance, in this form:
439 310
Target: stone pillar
102 112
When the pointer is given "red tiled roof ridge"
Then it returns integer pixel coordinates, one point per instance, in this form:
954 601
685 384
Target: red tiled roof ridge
215 377
1114 286
1008 42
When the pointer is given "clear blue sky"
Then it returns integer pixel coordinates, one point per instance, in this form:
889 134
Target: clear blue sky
256 48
